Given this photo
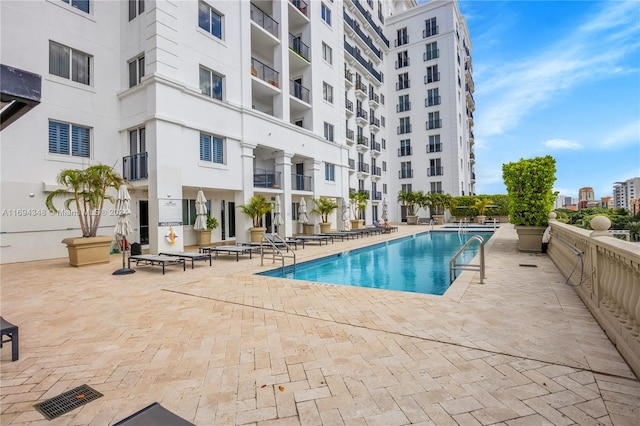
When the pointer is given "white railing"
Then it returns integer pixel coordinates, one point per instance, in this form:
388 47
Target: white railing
605 272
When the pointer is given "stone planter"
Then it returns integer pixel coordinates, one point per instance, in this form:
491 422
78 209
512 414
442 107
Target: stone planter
438 219
481 219
204 238
89 250
325 227
309 229
530 238
412 219
357 224
256 234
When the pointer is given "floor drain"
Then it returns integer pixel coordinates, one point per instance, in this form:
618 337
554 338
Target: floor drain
65 402
528 265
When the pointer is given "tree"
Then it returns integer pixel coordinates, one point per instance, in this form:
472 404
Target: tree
324 207
358 202
257 207
408 199
86 190
481 205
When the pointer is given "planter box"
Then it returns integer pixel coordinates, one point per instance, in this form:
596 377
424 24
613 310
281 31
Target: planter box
412 220
530 238
325 227
204 238
256 234
89 250
357 224
309 229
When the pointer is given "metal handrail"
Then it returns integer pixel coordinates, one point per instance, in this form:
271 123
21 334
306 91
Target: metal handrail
275 238
467 266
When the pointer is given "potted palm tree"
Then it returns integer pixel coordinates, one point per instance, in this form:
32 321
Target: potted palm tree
324 207
410 201
204 238
358 205
86 191
439 204
481 205
257 207
529 185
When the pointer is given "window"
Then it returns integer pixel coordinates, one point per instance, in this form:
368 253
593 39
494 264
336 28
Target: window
381 99
435 167
209 20
326 14
136 7
432 74
59 135
384 188
403 59
327 53
69 63
436 187
330 172
327 92
431 28
383 143
403 103
210 83
434 144
432 51
405 170
434 121
137 141
405 148
328 131
433 97
406 187
405 125
402 37
211 148
136 71
83 5
384 166
403 81
383 121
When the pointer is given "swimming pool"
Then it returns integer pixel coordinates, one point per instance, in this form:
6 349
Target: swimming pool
419 263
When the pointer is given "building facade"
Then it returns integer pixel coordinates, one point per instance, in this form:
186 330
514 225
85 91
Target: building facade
235 98
624 192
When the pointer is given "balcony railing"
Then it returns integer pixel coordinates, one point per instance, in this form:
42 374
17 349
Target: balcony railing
363 167
263 178
361 87
405 151
365 38
348 75
301 182
369 19
434 124
349 134
431 31
363 140
366 64
134 167
374 121
376 171
431 101
401 85
435 171
362 114
405 106
261 18
375 146
376 195
405 174
374 97
431 54
431 78
299 47
265 72
299 91
300 5
609 284
403 63
349 105
434 148
404 129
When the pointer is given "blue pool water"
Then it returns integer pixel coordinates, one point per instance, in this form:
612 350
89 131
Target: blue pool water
418 264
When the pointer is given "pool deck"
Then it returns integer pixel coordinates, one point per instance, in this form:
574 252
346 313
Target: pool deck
219 345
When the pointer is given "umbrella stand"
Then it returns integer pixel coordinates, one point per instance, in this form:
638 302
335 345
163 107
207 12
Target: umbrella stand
124 270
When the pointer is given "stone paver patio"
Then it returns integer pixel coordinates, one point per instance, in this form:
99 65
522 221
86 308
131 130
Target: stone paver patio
221 346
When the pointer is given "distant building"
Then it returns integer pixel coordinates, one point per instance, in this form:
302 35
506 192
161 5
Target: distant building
586 197
624 192
606 202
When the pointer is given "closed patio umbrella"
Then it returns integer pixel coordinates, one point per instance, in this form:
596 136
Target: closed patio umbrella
277 213
201 212
123 224
303 218
385 208
345 213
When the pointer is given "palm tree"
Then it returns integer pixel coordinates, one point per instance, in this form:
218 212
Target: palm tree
87 191
324 207
408 199
358 202
482 204
257 207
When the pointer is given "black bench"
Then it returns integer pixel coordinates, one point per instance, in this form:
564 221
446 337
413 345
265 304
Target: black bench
11 331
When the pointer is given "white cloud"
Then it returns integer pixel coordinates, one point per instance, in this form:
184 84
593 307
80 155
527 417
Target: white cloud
562 144
623 135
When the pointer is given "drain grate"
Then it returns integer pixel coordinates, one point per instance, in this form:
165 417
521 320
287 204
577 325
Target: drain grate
528 265
65 402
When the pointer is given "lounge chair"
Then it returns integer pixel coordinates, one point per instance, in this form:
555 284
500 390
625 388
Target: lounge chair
238 250
157 260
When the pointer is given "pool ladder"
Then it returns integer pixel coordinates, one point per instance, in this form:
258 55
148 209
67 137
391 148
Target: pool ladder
272 240
453 266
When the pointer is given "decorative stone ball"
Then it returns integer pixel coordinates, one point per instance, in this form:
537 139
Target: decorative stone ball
553 216
600 223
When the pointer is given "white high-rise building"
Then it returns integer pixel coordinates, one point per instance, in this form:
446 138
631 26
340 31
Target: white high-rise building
624 192
286 99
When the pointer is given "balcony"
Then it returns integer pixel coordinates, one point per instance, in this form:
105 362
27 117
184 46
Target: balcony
405 174
402 40
431 31
374 122
264 20
432 101
362 116
431 148
376 195
301 183
375 146
348 76
363 141
434 124
404 129
473 176
300 5
365 13
265 73
374 99
405 151
299 91
348 106
352 164
405 106
297 46
361 89
432 78
366 65
431 54
349 135
403 63
263 178
363 167
435 171
402 85
134 167
376 171
367 43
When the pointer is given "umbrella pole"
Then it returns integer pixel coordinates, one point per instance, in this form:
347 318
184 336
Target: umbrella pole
124 270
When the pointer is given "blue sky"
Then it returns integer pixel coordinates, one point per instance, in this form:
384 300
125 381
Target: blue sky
559 78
